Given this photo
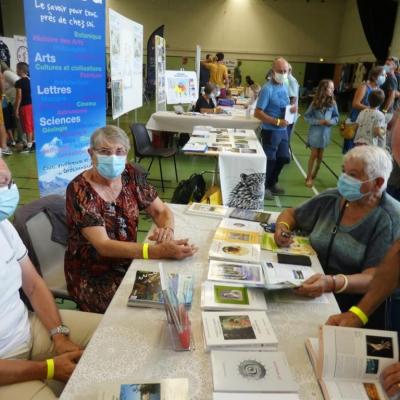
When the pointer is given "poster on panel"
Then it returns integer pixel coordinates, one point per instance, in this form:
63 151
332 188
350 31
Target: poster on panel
126 59
67 77
242 180
160 62
181 87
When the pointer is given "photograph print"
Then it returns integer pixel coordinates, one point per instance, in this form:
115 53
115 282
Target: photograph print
236 327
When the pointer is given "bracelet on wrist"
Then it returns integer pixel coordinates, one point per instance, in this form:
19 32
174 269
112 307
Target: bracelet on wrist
278 122
360 314
345 284
285 224
145 251
50 368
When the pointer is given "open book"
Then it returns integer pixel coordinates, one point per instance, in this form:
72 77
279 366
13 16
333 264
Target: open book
285 276
349 361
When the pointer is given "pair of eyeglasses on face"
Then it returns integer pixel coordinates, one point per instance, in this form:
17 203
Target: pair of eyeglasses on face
7 186
109 152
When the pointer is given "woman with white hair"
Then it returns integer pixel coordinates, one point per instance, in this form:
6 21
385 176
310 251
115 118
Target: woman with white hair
351 228
103 205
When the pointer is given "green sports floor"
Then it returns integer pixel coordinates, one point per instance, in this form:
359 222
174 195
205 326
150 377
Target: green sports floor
23 167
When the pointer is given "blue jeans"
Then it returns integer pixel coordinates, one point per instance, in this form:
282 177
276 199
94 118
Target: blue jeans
276 148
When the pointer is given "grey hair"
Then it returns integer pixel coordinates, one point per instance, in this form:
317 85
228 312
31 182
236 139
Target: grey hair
109 133
378 163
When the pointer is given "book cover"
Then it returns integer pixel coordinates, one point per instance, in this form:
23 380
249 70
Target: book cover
231 272
195 147
147 291
241 225
207 210
301 245
219 296
252 371
165 389
237 236
234 251
238 328
250 215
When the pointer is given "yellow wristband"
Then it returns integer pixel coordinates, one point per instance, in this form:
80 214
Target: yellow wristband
278 122
145 251
50 368
285 224
360 314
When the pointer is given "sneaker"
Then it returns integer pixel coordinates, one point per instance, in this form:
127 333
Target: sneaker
25 149
276 189
6 152
268 195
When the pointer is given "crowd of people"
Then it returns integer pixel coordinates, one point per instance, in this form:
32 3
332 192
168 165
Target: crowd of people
354 228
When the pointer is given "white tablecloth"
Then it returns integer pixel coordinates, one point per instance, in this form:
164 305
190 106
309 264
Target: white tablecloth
132 343
169 121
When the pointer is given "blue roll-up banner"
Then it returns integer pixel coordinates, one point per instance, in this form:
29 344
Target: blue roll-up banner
66 42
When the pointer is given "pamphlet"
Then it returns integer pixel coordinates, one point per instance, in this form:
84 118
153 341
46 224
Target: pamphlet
349 361
165 389
231 272
289 116
234 251
251 372
250 215
195 147
238 329
208 210
300 245
237 236
220 296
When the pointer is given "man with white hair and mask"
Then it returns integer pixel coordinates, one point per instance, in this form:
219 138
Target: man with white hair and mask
270 110
351 228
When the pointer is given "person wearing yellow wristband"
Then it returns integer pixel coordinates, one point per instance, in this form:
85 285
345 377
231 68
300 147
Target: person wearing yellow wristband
103 205
39 345
351 228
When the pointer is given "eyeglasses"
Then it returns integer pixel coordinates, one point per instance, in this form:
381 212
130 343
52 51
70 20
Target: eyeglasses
108 152
7 186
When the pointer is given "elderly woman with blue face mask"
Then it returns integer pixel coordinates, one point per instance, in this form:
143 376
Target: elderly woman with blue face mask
103 205
351 228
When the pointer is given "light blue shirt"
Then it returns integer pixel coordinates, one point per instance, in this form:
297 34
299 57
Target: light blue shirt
273 99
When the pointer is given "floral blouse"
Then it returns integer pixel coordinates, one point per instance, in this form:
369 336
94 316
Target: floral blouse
93 279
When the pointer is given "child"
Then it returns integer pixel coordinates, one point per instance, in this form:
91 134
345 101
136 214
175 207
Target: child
23 103
371 124
321 115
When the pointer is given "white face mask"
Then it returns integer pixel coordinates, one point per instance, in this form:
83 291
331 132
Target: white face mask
280 78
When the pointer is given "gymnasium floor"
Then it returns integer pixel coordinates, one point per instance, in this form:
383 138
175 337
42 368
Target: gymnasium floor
23 167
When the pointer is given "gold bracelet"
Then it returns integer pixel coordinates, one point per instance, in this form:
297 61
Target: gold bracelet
278 122
284 223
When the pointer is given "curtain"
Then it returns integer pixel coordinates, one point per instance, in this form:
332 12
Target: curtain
378 20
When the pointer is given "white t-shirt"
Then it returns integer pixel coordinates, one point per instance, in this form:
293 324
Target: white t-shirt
15 333
367 120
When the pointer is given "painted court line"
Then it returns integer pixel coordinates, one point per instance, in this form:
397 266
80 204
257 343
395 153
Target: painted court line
303 172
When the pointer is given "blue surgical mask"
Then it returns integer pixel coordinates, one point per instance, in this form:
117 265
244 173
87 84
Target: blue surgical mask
280 78
9 198
349 188
381 80
110 167
387 68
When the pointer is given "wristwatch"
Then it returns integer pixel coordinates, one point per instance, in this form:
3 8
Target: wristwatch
59 329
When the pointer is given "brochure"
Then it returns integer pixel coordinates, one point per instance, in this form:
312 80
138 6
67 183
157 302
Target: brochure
225 250
208 210
220 296
250 215
300 245
238 329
